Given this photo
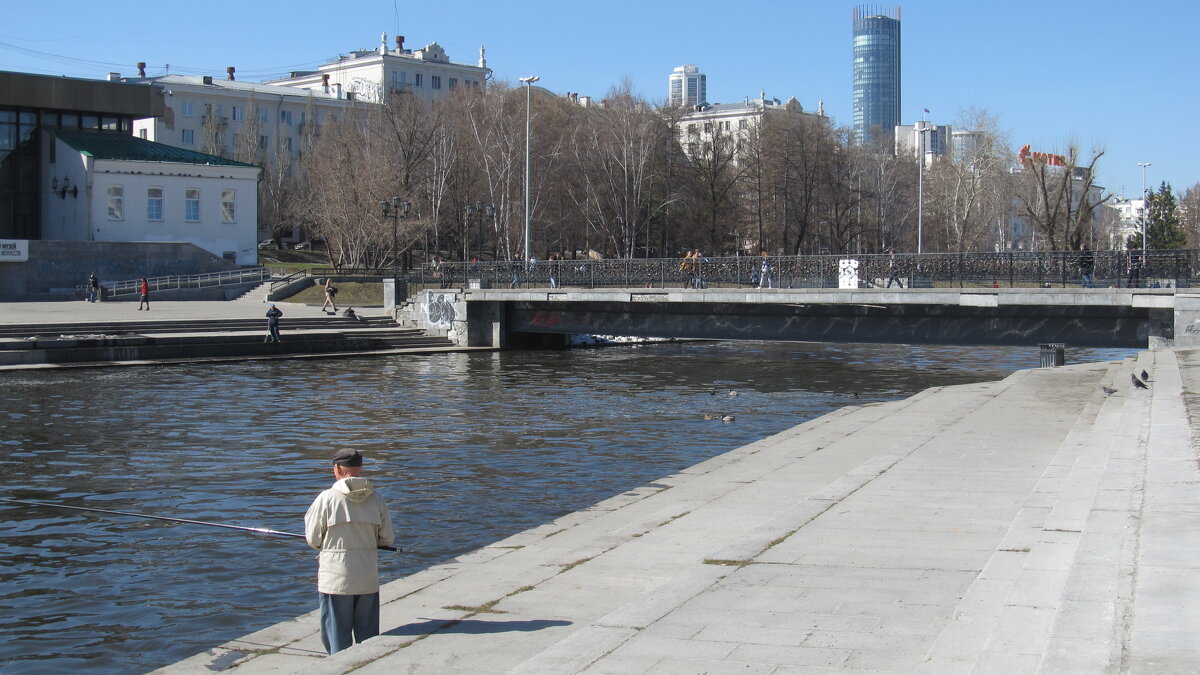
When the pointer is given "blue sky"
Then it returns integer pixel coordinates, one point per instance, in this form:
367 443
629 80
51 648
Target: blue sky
1114 74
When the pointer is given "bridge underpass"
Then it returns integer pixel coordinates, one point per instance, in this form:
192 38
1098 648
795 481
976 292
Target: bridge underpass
1136 318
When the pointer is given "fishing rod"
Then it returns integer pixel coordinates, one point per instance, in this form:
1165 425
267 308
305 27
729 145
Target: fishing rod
258 530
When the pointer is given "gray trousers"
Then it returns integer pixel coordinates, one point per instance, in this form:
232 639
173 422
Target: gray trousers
346 619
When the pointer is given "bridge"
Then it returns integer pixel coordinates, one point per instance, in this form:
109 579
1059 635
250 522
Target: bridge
1101 317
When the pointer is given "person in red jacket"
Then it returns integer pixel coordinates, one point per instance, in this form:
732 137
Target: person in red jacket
144 289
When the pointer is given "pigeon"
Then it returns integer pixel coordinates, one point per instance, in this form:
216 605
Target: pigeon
1108 391
1137 383
1145 376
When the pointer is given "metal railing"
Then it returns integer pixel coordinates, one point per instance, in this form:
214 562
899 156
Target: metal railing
968 270
227 278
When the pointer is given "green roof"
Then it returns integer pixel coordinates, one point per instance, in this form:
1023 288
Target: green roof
119 146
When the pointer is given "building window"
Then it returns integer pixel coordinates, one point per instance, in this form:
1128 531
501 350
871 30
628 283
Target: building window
187 109
285 117
263 115
189 137
191 205
418 79
154 203
435 81
287 143
141 134
453 82
227 206
220 110
693 130
238 113
263 142
743 124
708 127
116 199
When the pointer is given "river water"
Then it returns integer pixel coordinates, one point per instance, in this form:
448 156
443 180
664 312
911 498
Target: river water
468 449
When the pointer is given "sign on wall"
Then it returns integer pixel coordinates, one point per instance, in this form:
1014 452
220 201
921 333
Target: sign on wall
847 273
14 250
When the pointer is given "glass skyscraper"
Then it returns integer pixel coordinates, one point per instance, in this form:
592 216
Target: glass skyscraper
687 86
876 72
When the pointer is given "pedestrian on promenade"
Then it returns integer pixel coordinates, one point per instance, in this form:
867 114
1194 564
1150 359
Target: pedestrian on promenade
688 268
144 290
330 294
517 264
1087 265
1134 270
348 523
553 266
893 269
93 288
273 315
764 272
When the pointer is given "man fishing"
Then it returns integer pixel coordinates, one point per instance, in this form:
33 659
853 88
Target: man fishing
347 523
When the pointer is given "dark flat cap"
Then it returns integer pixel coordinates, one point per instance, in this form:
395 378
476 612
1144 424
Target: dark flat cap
347 457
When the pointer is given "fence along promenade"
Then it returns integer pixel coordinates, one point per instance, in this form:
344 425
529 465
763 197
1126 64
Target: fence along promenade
113 289
1170 269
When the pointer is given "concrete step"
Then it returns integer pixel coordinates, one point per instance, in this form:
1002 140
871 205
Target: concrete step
194 326
1005 615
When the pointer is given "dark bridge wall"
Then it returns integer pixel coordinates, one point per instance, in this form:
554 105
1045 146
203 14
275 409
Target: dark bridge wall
1084 326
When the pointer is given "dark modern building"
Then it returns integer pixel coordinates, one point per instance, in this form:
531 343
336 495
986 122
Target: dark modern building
876 72
31 106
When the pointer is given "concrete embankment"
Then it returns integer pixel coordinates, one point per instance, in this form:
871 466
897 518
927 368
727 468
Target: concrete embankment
1035 524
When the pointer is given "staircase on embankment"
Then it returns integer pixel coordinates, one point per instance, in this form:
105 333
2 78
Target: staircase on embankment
203 339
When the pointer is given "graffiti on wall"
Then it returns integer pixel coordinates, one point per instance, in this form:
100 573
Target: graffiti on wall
438 310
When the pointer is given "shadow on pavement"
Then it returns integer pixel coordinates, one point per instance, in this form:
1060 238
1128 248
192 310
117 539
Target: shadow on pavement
472 626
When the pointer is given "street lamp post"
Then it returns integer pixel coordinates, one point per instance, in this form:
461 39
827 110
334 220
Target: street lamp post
395 210
528 81
920 182
1144 205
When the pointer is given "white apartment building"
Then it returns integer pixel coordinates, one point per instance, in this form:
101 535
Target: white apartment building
371 74
1129 215
699 125
925 141
231 118
112 187
687 86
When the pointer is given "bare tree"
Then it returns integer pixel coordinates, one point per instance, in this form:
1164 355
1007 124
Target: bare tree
969 194
1056 196
1189 211
614 151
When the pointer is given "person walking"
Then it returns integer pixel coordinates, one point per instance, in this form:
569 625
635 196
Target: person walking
893 269
330 295
1134 270
273 315
688 268
144 289
348 523
1087 265
93 288
764 272
517 264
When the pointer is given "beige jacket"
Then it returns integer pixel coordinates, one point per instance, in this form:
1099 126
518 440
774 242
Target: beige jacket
347 523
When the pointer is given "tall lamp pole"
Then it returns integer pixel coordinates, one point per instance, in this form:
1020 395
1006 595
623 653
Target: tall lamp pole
528 81
395 210
920 181
1144 205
